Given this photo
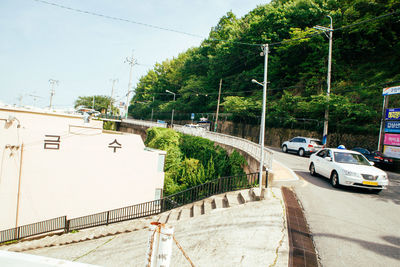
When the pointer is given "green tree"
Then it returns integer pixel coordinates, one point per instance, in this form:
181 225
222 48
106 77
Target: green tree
101 102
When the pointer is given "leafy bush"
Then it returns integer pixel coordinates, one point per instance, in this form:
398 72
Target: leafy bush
191 160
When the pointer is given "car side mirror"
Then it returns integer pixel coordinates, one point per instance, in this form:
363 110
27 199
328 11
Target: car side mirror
372 163
328 158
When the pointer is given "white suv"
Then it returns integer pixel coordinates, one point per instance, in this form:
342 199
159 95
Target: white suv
302 145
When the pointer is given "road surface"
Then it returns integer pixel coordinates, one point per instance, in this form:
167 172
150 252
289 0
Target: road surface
350 226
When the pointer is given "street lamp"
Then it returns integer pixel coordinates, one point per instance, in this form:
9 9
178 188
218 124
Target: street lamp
328 80
262 126
172 116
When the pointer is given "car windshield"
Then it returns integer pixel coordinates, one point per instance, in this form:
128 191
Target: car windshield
316 142
350 158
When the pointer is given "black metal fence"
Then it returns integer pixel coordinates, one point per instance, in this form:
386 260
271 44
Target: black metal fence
33 229
213 187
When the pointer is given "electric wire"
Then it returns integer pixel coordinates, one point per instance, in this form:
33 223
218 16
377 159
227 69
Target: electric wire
210 38
116 18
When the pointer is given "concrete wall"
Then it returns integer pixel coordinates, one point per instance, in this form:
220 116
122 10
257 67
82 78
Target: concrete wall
137 129
276 136
82 177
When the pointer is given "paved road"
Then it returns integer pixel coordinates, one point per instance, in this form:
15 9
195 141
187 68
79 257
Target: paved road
350 226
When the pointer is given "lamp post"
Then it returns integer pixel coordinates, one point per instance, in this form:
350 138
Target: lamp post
172 116
262 126
328 80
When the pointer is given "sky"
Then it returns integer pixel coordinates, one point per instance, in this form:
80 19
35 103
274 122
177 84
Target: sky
85 53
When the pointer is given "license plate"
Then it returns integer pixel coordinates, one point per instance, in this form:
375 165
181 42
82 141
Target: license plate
370 183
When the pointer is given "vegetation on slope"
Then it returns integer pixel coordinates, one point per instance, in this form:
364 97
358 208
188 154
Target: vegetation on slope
365 60
191 160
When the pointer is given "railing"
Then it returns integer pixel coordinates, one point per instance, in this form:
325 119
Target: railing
217 186
33 229
111 117
145 123
247 146
117 215
214 187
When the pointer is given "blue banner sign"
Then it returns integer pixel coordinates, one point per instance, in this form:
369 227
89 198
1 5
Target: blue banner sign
392 127
393 114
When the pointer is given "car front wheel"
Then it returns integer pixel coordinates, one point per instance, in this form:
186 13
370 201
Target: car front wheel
335 179
301 152
312 169
284 149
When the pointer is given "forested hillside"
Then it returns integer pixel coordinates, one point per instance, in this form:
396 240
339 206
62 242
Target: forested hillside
366 56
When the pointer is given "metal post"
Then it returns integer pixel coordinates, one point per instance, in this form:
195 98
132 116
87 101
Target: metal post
172 115
262 127
131 61
328 91
219 97
52 92
384 106
172 118
112 95
152 110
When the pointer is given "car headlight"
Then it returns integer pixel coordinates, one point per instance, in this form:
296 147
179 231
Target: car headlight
383 177
350 173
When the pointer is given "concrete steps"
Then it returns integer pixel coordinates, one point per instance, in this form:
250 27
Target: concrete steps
199 208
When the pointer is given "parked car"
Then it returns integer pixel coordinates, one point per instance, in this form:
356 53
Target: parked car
377 157
348 168
302 145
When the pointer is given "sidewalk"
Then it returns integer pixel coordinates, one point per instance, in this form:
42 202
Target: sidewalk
281 173
249 234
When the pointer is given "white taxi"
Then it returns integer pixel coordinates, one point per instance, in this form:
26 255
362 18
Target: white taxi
348 168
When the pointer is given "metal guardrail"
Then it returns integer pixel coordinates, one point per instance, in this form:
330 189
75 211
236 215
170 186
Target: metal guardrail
247 146
145 123
213 187
110 117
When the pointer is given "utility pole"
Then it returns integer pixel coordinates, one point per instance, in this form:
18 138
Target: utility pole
262 128
35 97
219 97
328 80
112 95
52 92
265 52
20 100
173 110
93 103
152 110
131 61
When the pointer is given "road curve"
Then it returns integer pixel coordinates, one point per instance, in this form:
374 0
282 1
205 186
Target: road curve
350 226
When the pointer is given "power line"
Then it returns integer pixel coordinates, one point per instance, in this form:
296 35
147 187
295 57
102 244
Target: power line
116 18
199 36
338 29
367 20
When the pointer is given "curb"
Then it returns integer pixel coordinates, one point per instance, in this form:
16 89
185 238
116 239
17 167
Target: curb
301 247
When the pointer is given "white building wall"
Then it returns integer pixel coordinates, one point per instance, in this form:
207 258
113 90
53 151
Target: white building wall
82 177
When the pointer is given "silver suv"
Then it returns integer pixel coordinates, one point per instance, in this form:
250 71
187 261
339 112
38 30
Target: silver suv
302 145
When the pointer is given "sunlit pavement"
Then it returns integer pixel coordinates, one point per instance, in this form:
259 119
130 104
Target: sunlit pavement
350 226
